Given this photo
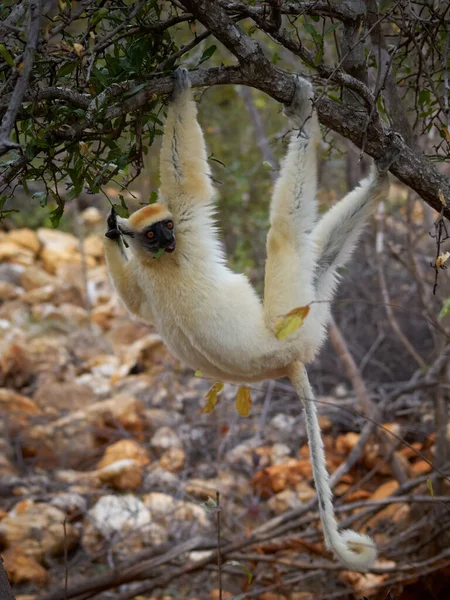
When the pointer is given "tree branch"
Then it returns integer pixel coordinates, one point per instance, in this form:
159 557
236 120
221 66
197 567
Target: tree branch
22 82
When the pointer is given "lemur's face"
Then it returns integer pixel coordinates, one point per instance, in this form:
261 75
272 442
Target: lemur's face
159 236
151 228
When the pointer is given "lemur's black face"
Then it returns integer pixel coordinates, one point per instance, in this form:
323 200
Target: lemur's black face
159 236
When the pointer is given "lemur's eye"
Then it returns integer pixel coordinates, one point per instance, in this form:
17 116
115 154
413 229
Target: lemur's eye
150 235
169 224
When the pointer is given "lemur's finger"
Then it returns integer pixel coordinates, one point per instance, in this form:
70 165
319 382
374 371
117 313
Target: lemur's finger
112 219
113 234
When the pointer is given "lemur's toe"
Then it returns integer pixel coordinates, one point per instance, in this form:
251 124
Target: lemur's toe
300 107
386 161
181 82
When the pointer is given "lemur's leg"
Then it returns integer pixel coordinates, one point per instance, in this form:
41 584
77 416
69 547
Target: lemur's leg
338 231
290 252
184 168
120 269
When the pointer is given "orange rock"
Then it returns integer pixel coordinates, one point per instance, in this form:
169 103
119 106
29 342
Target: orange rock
26 238
15 253
346 443
420 467
123 475
22 568
37 529
124 449
385 490
278 477
173 460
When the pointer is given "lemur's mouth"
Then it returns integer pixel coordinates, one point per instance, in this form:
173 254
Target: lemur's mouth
171 247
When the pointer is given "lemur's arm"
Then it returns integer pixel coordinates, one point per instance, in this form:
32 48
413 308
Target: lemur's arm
184 170
120 269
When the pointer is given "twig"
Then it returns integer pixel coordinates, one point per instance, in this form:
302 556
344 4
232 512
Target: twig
219 557
22 82
367 406
384 289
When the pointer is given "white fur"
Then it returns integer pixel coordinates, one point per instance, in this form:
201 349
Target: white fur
210 317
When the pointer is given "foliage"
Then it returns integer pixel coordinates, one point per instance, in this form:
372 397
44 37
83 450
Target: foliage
93 103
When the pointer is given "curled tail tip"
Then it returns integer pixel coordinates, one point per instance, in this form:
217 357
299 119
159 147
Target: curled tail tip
356 550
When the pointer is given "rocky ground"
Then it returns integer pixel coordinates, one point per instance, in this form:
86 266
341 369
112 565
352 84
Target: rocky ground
106 459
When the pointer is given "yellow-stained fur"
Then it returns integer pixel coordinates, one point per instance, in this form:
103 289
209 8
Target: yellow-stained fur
211 318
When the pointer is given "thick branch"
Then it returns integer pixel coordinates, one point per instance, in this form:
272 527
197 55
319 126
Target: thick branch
22 81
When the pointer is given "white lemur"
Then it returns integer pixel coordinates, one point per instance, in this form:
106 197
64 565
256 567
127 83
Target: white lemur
175 274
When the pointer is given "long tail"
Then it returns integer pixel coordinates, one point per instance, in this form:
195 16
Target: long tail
357 551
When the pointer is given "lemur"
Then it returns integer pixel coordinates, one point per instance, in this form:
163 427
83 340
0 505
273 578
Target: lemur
175 274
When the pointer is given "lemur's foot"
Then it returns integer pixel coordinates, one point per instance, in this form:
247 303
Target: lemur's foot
113 232
301 107
384 163
181 83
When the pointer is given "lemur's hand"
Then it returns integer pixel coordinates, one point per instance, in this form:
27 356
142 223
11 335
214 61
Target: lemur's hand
113 232
181 83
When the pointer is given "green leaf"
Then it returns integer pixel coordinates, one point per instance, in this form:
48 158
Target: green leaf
331 28
430 487
207 53
445 310
153 197
318 57
198 373
55 215
236 563
41 197
67 69
312 31
268 166
424 97
134 91
6 55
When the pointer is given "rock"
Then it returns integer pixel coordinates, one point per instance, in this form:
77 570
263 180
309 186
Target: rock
123 475
284 501
26 238
11 273
173 460
70 503
93 246
34 278
148 353
8 291
282 427
125 449
91 216
165 438
66 315
176 515
11 403
160 479
122 522
15 364
78 433
37 529
90 347
22 568
15 253
161 506
160 417
54 397
276 478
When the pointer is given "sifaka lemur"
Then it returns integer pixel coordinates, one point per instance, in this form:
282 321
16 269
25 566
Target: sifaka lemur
174 274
